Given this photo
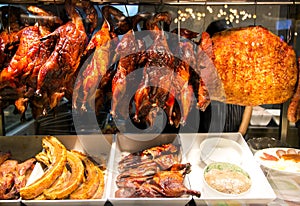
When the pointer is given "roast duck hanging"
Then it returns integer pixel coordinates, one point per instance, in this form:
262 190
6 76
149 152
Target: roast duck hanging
52 59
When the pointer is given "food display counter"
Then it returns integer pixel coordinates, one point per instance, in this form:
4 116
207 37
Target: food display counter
101 102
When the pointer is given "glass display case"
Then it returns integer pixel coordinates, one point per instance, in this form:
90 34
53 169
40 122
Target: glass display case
59 94
280 17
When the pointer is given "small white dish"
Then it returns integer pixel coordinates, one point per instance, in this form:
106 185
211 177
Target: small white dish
220 150
275 115
226 179
260 116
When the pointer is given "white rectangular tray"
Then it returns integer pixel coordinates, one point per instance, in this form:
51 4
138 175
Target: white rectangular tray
23 147
260 193
133 143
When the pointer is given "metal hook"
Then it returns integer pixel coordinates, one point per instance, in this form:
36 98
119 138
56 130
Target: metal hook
255 12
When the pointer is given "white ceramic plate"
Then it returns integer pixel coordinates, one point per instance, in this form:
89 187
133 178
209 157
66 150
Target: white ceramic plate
220 150
281 165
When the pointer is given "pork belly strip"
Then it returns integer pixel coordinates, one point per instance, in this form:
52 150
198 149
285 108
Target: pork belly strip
63 190
58 154
91 183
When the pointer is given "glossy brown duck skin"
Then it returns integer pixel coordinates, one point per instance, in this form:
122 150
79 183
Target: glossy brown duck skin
13 176
56 77
9 38
167 183
49 20
91 16
204 50
119 24
158 71
181 87
22 71
25 64
130 51
12 23
171 182
98 65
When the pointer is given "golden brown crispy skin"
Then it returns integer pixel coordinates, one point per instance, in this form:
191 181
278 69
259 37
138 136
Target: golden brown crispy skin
43 158
89 187
100 190
66 187
58 154
255 66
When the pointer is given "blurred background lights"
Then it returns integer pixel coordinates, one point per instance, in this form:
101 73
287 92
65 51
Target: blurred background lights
227 13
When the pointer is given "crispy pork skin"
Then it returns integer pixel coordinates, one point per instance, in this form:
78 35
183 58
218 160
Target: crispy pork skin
63 190
93 179
254 65
58 155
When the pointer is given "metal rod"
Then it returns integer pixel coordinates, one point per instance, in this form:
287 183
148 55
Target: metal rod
2 126
284 124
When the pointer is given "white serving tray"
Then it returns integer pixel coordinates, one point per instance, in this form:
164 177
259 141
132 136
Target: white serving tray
21 149
25 147
133 143
260 193
10 202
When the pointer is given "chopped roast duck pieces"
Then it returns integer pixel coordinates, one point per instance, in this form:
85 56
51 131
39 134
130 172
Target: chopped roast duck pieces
153 172
13 176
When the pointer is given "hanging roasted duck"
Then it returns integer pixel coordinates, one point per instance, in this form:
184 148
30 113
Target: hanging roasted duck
118 22
45 18
12 24
97 67
158 73
56 77
20 77
130 49
183 49
91 16
101 44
